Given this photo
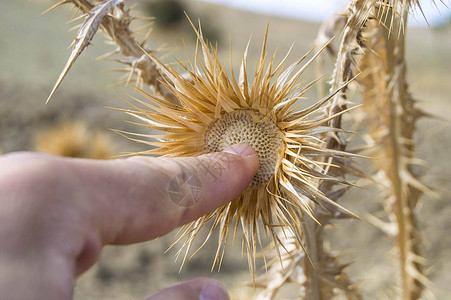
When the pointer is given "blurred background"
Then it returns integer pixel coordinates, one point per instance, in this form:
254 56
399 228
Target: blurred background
76 122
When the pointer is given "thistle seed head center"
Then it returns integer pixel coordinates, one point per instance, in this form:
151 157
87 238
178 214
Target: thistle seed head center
250 127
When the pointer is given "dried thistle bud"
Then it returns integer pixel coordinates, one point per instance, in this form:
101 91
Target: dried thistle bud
73 139
217 111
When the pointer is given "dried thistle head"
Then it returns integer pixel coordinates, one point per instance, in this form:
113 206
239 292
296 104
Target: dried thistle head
73 139
218 111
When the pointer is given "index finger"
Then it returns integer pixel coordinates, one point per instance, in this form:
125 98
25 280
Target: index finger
138 199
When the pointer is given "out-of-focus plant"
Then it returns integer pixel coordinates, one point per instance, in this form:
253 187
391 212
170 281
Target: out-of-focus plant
73 139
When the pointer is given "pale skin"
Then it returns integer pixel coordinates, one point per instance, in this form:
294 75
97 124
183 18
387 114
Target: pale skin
56 215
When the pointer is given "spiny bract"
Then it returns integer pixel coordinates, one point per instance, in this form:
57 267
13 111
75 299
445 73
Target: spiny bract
217 111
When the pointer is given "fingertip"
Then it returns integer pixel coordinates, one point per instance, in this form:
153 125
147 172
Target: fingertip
213 290
196 289
248 153
225 175
243 150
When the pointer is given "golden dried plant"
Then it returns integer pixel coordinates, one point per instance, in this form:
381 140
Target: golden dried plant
392 14
324 277
73 139
391 132
218 111
380 57
285 267
115 20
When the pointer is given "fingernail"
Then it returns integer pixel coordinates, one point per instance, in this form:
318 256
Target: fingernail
243 150
213 291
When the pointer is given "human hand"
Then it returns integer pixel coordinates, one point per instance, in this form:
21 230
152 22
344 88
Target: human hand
57 213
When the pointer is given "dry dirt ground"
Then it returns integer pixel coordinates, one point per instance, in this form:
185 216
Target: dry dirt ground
33 52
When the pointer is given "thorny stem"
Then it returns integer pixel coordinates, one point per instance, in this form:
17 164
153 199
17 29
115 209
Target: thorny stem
322 274
313 243
323 265
118 30
385 88
402 127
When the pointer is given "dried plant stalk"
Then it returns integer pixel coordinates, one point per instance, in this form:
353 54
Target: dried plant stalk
323 276
385 90
115 19
283 270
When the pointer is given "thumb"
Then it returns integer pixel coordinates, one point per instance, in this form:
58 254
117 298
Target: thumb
196 289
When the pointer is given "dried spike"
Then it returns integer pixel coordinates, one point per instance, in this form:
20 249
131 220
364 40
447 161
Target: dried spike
55 6
116 25
85 35
113 52
74 19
